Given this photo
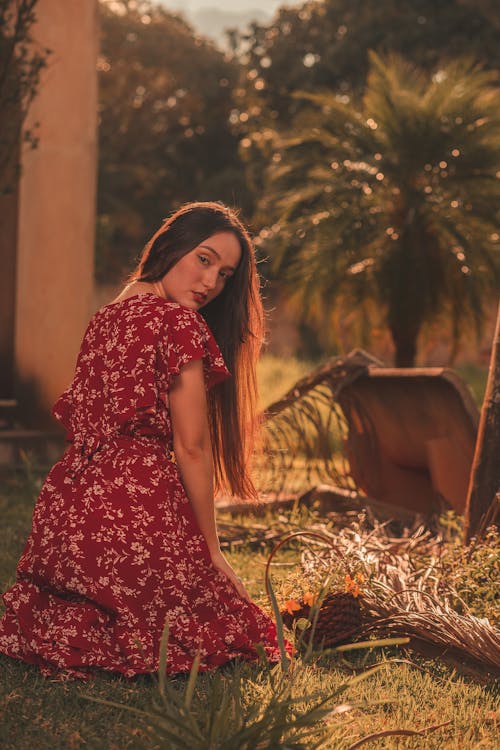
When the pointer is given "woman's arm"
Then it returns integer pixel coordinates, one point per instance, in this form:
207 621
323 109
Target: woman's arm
193 454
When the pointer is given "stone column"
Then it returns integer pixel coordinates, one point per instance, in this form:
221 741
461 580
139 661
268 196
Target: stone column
57 209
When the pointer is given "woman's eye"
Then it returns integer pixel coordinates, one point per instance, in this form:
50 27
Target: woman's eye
203 259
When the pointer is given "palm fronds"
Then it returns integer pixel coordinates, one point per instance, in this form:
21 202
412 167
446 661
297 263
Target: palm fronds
269 710
407 179
403 598
305 431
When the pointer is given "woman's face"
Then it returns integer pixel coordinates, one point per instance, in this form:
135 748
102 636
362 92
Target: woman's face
200 275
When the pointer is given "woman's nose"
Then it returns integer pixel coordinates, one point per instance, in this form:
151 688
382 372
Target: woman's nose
210 279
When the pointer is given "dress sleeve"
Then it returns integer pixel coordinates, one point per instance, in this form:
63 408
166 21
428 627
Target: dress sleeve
62 411
187 337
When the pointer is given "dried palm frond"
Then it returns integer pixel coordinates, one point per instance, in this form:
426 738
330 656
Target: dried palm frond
400 598
233 534
463 641
305 431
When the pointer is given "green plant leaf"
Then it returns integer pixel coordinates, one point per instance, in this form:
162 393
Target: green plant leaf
193 675
279 628
162 668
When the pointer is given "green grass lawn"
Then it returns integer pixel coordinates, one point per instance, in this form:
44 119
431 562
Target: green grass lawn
38 714
476 378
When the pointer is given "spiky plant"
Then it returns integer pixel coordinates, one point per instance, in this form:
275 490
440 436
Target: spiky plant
392 205
273 710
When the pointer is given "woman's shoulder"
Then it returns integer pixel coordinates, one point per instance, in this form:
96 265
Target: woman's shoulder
150 316
177 314
132 319
151 301
145 305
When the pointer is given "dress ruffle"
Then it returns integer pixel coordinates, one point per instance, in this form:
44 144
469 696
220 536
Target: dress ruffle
189 338
118 641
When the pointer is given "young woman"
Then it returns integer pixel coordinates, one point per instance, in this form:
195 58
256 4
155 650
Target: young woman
159 413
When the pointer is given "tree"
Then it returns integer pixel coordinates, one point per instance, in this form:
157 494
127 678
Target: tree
392 205
324 45
165 135
21 62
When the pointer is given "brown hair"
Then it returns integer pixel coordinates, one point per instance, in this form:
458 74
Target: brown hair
235 318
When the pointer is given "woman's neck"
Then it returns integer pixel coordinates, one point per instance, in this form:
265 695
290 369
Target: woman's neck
138 287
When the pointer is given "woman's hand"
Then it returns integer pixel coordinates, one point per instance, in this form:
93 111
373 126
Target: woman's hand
220 562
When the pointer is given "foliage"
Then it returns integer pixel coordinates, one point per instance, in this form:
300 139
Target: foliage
21 63
472 572
392 204
324 44
269 710
404 593
164 131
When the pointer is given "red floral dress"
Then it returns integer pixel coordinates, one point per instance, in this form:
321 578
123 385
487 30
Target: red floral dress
115 550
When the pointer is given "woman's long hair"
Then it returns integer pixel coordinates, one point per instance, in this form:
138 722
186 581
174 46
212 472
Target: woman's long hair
235 318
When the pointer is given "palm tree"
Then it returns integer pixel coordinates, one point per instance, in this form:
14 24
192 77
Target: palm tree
392 205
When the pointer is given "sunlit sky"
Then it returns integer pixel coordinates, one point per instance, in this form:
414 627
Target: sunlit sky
191 6
210 17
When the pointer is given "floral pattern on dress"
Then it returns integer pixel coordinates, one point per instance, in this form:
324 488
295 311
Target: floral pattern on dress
115 550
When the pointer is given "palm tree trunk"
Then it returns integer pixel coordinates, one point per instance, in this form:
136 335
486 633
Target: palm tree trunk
405 342
484 488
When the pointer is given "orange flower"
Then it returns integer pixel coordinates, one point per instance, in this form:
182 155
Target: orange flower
351 586
309 598
292 606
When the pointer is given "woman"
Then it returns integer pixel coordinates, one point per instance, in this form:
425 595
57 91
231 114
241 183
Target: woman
124 535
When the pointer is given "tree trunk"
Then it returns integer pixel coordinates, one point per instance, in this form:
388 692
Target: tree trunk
405 343
484 487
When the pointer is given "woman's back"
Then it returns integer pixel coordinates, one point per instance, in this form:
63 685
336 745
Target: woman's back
130 352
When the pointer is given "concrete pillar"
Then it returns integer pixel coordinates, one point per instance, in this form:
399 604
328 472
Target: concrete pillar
57 208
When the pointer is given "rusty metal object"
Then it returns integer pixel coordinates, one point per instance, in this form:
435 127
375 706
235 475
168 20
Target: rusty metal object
404 437
411 436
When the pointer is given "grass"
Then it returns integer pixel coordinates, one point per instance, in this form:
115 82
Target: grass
276 375
476 378
38 713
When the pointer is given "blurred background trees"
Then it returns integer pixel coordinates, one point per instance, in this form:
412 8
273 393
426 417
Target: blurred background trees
325 46
260 126
21 62
164 132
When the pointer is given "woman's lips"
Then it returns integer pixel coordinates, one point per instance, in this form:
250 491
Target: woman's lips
200 297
